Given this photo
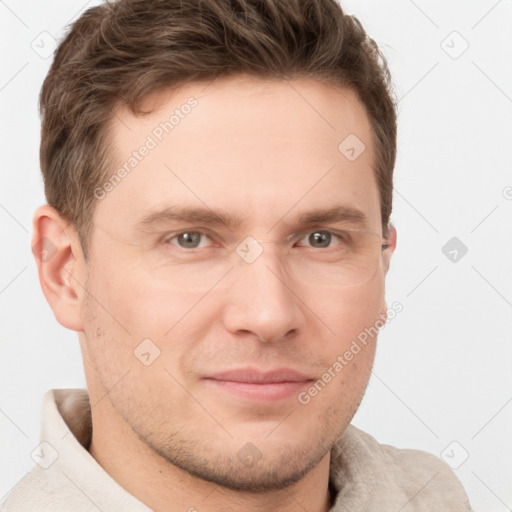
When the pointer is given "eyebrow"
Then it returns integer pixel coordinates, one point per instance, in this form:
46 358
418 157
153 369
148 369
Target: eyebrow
190 215
335 214
210 217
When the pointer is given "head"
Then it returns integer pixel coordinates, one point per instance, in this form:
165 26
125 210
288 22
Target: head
201 160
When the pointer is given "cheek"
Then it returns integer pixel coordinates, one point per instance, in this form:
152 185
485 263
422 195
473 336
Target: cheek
352 310
138 314
354 315
112 313
142 304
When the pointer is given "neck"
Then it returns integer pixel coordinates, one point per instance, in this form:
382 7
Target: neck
164 487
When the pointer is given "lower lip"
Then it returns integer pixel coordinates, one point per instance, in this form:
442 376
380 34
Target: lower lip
265 391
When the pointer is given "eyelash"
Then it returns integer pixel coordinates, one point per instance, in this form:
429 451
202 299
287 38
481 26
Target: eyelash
167 240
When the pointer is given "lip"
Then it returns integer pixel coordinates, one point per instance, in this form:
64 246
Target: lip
254 384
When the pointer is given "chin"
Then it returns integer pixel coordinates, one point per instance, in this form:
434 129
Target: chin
257 475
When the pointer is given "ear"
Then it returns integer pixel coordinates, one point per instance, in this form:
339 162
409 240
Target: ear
386 260
58 254
390 249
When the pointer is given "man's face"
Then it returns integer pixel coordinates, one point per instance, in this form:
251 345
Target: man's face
235 335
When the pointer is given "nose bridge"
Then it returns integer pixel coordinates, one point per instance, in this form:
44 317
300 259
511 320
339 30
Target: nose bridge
261 296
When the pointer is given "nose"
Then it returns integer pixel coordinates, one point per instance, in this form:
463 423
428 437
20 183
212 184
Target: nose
262 303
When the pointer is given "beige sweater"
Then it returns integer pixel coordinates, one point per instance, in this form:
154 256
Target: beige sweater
366 475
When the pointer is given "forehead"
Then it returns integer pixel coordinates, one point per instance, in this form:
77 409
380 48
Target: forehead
248 146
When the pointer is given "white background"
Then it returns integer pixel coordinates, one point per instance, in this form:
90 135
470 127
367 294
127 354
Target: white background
444 365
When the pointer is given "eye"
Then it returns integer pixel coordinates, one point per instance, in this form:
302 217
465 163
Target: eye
189 240
321 239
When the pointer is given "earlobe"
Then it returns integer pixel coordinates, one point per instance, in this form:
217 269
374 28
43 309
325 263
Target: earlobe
56 251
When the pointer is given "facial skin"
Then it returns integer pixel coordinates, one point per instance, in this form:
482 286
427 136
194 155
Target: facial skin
265 152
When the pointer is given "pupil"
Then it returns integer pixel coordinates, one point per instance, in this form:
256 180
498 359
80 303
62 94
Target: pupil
189 240
320 239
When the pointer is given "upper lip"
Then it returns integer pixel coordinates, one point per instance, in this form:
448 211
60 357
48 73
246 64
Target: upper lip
255 376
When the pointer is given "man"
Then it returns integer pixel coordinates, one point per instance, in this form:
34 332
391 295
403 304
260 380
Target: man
219 181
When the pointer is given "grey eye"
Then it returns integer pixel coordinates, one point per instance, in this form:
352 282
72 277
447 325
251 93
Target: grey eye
320 238
189 240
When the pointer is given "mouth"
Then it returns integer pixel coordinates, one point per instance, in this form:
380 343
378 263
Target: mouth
253 384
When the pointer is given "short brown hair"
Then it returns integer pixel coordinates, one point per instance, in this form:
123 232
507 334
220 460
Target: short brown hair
121 52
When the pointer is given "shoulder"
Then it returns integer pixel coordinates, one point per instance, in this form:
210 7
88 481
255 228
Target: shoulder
414 476
32 493
48 486
43 490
